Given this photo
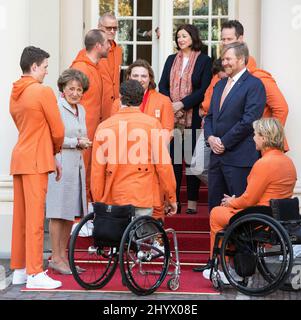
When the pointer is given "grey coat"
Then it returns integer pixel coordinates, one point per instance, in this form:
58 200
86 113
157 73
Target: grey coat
67 198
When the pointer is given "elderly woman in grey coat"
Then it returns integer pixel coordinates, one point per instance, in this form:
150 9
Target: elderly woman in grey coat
66 197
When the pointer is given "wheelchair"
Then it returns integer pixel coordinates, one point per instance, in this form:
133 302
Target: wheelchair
143 263
255 250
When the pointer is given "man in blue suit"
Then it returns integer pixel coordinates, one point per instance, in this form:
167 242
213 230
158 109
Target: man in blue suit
236 102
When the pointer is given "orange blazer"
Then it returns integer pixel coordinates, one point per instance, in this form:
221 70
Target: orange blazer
205 105
109 71
92 98
158 106
276 105
34 110
272 177
128 182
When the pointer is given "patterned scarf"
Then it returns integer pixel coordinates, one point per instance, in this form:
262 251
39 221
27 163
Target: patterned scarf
181 86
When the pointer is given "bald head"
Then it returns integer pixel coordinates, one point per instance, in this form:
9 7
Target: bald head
93 37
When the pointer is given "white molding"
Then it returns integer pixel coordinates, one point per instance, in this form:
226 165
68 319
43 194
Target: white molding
6 188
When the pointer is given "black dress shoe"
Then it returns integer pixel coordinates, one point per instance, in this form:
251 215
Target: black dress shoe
191 211
179 207
209 265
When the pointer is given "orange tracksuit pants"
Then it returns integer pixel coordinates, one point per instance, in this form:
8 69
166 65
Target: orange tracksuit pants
219 219
28 222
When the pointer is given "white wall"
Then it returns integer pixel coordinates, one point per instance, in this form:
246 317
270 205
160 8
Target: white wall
45 33
249 14
14 34
71 31
22 23
280 55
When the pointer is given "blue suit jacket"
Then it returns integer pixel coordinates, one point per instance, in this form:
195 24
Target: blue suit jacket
233 122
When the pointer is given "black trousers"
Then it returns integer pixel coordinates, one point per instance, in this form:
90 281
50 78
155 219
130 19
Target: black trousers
181 151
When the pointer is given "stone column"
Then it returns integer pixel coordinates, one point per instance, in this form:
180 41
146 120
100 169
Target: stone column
15 35
280 55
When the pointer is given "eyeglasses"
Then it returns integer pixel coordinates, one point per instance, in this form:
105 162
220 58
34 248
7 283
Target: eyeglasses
110 28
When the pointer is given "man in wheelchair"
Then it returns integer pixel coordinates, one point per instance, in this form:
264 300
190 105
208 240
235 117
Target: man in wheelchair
273 176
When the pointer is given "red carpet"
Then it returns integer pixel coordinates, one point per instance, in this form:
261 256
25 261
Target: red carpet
193 243
190 283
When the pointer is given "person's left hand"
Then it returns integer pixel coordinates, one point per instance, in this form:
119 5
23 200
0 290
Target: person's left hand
227 200
172 209
177 106
58 170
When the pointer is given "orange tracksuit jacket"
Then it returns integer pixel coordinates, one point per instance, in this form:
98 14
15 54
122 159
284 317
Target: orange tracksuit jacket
158 106
272 177
109 72
34 110
120 184
92 102
205 105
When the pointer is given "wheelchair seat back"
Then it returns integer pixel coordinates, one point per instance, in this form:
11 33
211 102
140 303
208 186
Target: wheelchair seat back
285 209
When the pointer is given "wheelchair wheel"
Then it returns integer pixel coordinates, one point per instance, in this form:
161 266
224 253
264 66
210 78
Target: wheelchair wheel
144 263
256 254
92 266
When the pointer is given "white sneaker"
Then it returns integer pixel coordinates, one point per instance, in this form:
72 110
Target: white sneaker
206 275
297 250
87 229
158 246
42 281
19 276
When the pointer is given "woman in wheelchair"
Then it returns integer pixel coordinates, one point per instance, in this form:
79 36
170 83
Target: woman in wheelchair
273 176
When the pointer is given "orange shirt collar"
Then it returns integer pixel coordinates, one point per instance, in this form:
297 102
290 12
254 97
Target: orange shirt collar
270 151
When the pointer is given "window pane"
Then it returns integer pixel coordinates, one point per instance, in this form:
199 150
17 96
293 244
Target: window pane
144 30
200 8
125 31
202 25
216 28
177 23
144 8
125 8
220 7
181 7
106 6
127 54
215 51
145 52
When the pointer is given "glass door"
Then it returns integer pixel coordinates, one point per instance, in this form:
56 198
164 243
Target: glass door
137 29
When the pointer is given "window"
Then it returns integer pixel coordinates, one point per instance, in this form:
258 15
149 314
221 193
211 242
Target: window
207 15
135 28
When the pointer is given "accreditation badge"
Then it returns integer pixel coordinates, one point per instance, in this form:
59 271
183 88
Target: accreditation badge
158 113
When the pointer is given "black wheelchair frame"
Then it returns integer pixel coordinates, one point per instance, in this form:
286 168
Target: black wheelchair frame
255 250
143 265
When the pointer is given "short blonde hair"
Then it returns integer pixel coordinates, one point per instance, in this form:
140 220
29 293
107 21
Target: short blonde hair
272 130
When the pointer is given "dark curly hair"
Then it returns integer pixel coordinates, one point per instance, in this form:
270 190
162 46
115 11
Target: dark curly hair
132 93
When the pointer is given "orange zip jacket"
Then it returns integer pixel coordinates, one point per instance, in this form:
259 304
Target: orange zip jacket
109 72
276 105
205 105
92 98
158 106
272 177
34 110
129 183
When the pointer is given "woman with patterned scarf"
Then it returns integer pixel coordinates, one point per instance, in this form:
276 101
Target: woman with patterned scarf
185 78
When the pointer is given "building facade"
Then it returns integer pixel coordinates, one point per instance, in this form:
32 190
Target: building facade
272 32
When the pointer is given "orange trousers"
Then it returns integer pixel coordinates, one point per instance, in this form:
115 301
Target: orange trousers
28 222
219 219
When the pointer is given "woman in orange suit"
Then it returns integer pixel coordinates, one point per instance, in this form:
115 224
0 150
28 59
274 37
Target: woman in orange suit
155 105
273 176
